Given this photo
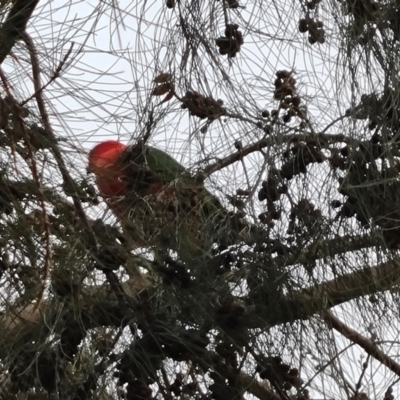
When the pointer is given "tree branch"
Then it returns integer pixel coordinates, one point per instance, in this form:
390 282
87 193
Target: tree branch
16 323
15 25
69 184
257 388
325 248
307 302
267 142
301 305
368 345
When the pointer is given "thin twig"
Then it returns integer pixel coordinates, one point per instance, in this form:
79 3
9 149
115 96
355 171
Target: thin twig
6 84
53 77
7 89
267 142
331 124
36 178
364 368
46 225
149 127
67 179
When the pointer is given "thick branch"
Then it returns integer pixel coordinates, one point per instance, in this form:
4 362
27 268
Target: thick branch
15 25
368 345
307 302
257 388
16 323
301 305
325 248
342 289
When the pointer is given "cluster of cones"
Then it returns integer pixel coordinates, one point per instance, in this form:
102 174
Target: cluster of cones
231 43
202 106
285 92
315 29
281 375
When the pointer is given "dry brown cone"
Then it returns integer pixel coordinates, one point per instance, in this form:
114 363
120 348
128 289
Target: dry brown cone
201 106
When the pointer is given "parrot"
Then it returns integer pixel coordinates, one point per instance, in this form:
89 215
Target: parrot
158 202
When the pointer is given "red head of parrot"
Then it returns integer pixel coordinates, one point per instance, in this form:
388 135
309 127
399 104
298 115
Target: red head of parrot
104 162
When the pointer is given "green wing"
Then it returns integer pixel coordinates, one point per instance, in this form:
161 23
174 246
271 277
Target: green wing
167 206
164 165
172 172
